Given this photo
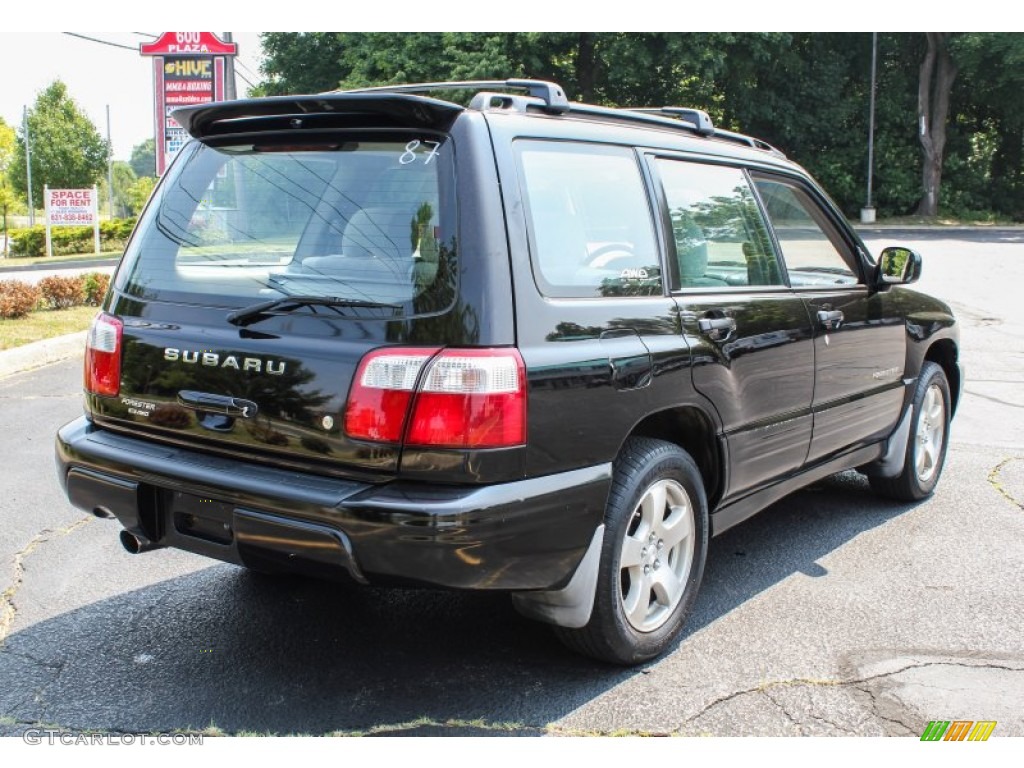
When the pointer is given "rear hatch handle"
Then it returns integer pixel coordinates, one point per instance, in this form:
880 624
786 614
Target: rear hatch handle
212 403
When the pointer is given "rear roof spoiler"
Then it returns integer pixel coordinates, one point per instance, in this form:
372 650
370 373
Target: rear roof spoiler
315 111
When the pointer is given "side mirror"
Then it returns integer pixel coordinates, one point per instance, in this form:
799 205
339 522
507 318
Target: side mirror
898 266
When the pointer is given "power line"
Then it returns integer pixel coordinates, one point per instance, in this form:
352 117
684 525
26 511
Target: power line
250 82
145 34
242 64
103 42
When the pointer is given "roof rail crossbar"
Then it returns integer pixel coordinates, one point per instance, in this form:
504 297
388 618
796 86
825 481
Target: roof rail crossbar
700 119
552 94
742 138
696 118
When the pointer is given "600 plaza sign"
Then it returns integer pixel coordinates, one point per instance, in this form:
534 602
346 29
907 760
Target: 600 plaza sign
188 68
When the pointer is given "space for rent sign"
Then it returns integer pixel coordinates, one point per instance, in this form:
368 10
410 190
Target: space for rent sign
71 208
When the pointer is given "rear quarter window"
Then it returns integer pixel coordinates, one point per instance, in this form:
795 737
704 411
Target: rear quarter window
590 226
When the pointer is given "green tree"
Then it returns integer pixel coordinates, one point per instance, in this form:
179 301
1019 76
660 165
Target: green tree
143 160
138 194
67 150
300 62
124 178
806 93
9 201
935 86
985 159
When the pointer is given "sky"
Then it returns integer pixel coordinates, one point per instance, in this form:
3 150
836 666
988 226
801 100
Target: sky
97 75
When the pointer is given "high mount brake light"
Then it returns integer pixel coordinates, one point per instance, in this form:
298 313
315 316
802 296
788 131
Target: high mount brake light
455 398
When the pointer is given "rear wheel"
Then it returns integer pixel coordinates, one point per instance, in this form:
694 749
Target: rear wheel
929 438
652 559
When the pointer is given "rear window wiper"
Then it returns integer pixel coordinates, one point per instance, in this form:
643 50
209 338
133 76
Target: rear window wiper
256 312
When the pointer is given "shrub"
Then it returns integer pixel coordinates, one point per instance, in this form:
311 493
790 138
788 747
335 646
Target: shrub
70 240
28 242
96 285
63 292
17 299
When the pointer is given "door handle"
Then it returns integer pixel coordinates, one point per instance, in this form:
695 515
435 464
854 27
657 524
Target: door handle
717 325
831 320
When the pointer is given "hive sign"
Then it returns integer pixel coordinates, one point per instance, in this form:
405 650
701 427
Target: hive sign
188 68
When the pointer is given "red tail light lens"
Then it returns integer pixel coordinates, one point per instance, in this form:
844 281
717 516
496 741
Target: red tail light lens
381 392
103 356
465 398
471 398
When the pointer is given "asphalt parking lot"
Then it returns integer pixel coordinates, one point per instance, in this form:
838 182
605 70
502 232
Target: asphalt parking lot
831 613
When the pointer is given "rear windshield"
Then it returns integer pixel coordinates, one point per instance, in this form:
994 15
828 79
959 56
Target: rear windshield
369 219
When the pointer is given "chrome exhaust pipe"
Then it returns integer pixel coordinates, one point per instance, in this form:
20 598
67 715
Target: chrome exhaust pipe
136 544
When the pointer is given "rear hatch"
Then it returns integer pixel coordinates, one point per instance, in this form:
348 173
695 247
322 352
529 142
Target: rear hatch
263 270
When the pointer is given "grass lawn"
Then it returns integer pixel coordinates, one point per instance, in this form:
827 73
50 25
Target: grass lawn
44 324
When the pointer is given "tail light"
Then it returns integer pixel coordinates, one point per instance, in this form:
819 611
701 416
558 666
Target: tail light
381 392
456 398
103 356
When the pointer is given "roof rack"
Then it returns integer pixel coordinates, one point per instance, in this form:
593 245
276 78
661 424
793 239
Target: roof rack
750 141
698 118
703 126
551 94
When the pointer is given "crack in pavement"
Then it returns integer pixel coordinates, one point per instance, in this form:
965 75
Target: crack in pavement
875 708
993 479
37 696
371 730
993 399
34 696
800 723
796 723
859 684
7 609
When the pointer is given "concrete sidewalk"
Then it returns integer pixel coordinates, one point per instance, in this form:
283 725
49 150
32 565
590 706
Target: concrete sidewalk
40 353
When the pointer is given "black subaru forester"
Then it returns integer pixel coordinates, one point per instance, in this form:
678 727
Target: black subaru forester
523 345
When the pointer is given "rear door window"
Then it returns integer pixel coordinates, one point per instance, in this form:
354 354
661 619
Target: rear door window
719 235
369 219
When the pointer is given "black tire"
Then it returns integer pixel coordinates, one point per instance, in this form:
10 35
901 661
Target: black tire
662 599
926 450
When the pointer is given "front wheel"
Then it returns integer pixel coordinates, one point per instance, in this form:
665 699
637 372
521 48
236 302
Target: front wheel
652 558
929 438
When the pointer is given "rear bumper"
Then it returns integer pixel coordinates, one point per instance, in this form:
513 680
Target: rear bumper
524 535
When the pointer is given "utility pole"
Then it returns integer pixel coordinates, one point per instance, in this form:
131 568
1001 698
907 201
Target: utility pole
28 166
867 213
110 167
231 91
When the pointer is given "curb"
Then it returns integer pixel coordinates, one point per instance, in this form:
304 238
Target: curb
40 353
950 229
56 266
